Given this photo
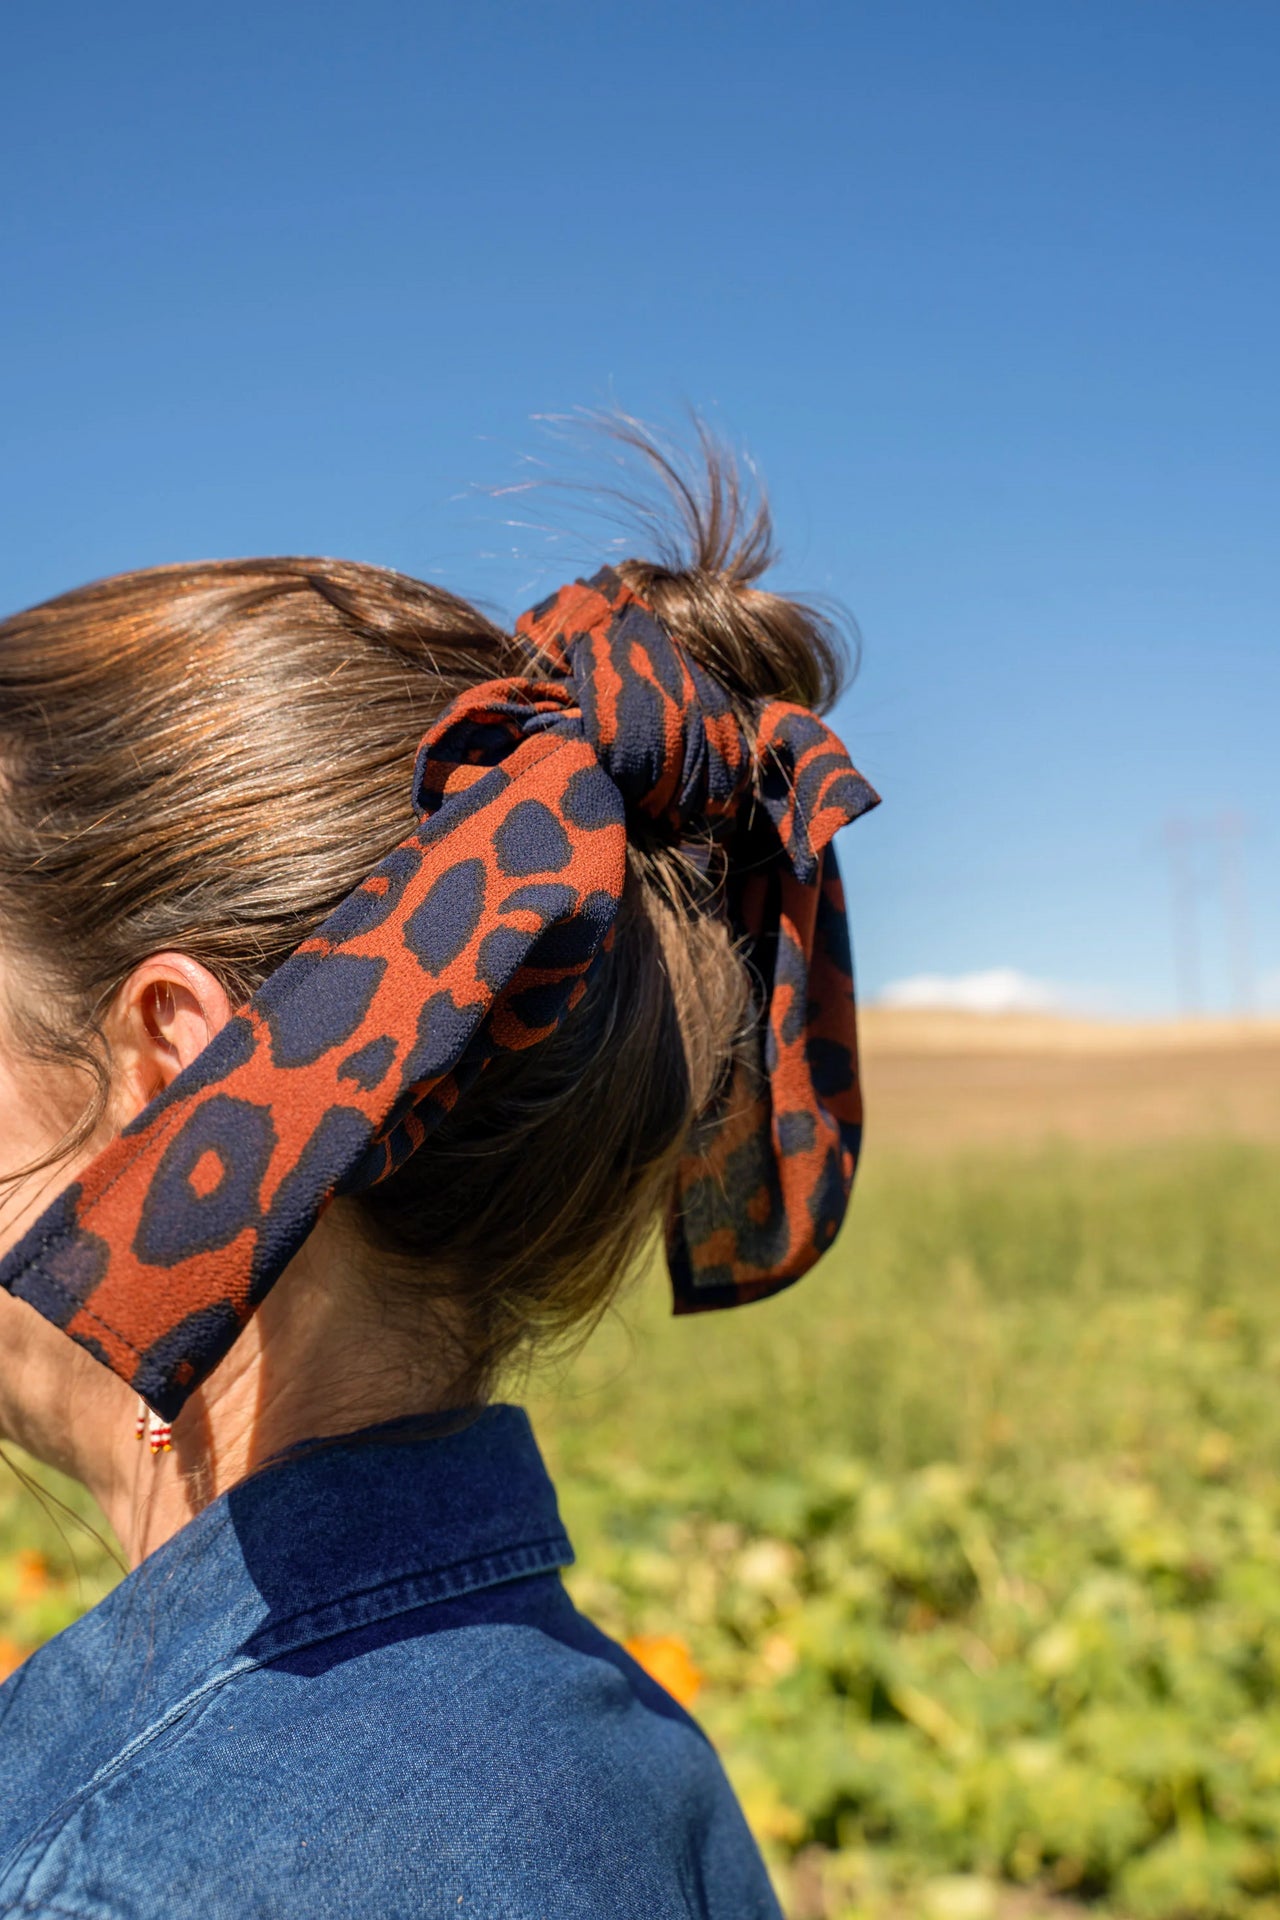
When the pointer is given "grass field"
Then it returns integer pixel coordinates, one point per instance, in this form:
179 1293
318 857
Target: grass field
966 1551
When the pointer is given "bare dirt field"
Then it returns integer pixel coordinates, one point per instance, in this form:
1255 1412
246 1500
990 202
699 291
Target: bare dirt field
946 1080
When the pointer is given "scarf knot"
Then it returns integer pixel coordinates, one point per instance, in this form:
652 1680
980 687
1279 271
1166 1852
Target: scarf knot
602 666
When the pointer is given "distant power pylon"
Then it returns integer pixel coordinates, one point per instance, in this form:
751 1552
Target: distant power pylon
1228 832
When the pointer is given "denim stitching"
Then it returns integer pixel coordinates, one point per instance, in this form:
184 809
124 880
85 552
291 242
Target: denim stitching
529 1554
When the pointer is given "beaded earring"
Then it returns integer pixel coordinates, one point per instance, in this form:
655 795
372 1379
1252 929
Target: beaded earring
160 1430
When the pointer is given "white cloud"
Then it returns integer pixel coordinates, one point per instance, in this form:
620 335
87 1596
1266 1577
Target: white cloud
998 990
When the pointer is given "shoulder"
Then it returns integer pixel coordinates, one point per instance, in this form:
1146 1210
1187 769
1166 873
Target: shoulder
511 1766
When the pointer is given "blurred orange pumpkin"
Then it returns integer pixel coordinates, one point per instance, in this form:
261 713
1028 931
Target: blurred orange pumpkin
666 1659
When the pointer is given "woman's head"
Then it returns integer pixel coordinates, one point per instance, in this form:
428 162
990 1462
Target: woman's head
203 761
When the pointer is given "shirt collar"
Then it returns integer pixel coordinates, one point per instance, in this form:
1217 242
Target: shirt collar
400 1515
326 1538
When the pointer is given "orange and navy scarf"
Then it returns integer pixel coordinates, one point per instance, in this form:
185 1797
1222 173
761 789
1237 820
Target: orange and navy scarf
475 936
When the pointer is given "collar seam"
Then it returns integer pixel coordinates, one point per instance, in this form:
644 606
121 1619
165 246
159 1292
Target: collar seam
403 1593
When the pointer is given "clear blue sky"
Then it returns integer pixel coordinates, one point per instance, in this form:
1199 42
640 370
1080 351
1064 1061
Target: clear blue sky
989 290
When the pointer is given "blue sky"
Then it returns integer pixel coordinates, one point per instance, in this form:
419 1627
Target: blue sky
988 290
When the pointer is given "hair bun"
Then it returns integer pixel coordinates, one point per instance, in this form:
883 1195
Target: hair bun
758 645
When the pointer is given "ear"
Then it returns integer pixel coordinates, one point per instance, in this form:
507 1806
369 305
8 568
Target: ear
164 1015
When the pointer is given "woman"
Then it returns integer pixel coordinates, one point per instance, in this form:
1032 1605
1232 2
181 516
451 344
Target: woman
333 1081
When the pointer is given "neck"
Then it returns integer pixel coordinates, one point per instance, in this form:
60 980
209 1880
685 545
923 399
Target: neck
295 1373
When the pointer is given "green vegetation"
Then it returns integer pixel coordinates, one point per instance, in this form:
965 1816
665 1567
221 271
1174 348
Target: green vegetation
975 1534
973 1538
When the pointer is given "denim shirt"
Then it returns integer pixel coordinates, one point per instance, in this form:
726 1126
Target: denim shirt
355 1685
